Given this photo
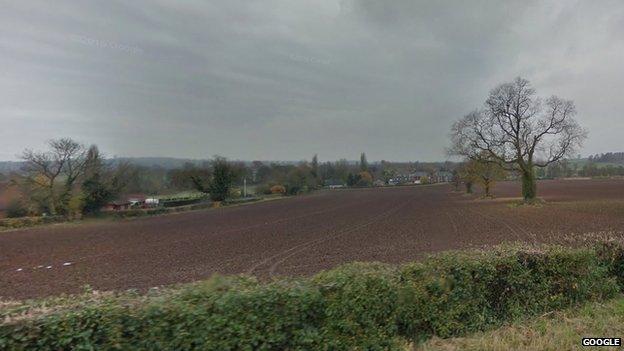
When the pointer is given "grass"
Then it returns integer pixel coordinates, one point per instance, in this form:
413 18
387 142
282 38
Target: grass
560 330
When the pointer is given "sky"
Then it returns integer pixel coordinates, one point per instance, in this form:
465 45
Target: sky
287 79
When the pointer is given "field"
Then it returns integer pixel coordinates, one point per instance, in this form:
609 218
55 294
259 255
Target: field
297 236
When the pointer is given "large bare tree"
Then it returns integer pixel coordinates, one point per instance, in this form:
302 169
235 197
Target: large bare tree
64 161
519 130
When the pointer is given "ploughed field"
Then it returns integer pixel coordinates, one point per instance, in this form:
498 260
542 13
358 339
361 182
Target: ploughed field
297 236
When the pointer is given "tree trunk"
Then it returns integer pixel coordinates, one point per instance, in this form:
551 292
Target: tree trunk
529 184
486 185
52 203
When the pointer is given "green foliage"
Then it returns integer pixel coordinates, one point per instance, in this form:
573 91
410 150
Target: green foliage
611 253
23 222
360 306
363 163
457 293
219 183
222 178
16 209
300 180
362 179
96 194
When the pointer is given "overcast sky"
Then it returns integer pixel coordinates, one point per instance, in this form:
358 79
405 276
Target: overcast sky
285 79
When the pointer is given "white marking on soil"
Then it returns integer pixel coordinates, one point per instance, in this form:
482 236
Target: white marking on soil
48 267
19 269
67 264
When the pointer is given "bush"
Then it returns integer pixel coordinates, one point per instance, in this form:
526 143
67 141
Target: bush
263 189
23 222
16 209
357 306
611 254
364 179
278 189
182 202
457 293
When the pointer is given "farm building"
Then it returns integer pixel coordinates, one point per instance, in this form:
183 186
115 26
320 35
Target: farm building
132 201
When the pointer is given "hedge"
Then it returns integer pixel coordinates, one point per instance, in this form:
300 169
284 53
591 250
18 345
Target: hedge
361 306
23 222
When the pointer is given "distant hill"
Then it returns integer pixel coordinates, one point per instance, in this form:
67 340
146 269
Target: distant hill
160 162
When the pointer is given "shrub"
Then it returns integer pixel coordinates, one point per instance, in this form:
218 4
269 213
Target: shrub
278 189
16 209
181 202
263 189
75 206
23 222
611 254
364 179
361 306
360 303
457 293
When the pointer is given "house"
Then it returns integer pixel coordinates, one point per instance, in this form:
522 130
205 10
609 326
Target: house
410 178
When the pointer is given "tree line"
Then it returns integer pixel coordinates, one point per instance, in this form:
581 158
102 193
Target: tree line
71 179
609 157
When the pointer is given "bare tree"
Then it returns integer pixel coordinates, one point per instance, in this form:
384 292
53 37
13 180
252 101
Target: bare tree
519 130
484 171
64 161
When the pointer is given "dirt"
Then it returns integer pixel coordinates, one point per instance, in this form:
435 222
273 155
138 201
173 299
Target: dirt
298 236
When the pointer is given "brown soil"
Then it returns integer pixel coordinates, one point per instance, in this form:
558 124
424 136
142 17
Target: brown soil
297 236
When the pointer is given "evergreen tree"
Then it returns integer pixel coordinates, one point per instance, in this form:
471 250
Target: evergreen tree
363 163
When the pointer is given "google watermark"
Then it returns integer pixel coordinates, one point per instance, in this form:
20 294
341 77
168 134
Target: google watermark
85 40
609 342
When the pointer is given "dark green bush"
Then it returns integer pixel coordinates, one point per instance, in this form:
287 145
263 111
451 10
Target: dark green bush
182 202
360 306
23 222
611 254
16 209
457 293
354 307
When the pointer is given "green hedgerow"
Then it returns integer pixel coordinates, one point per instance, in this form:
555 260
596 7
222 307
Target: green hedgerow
359 306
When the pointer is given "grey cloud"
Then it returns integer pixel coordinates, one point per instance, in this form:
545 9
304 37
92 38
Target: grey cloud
284 79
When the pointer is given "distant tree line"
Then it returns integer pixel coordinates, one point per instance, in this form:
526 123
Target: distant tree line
71 179
609 157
